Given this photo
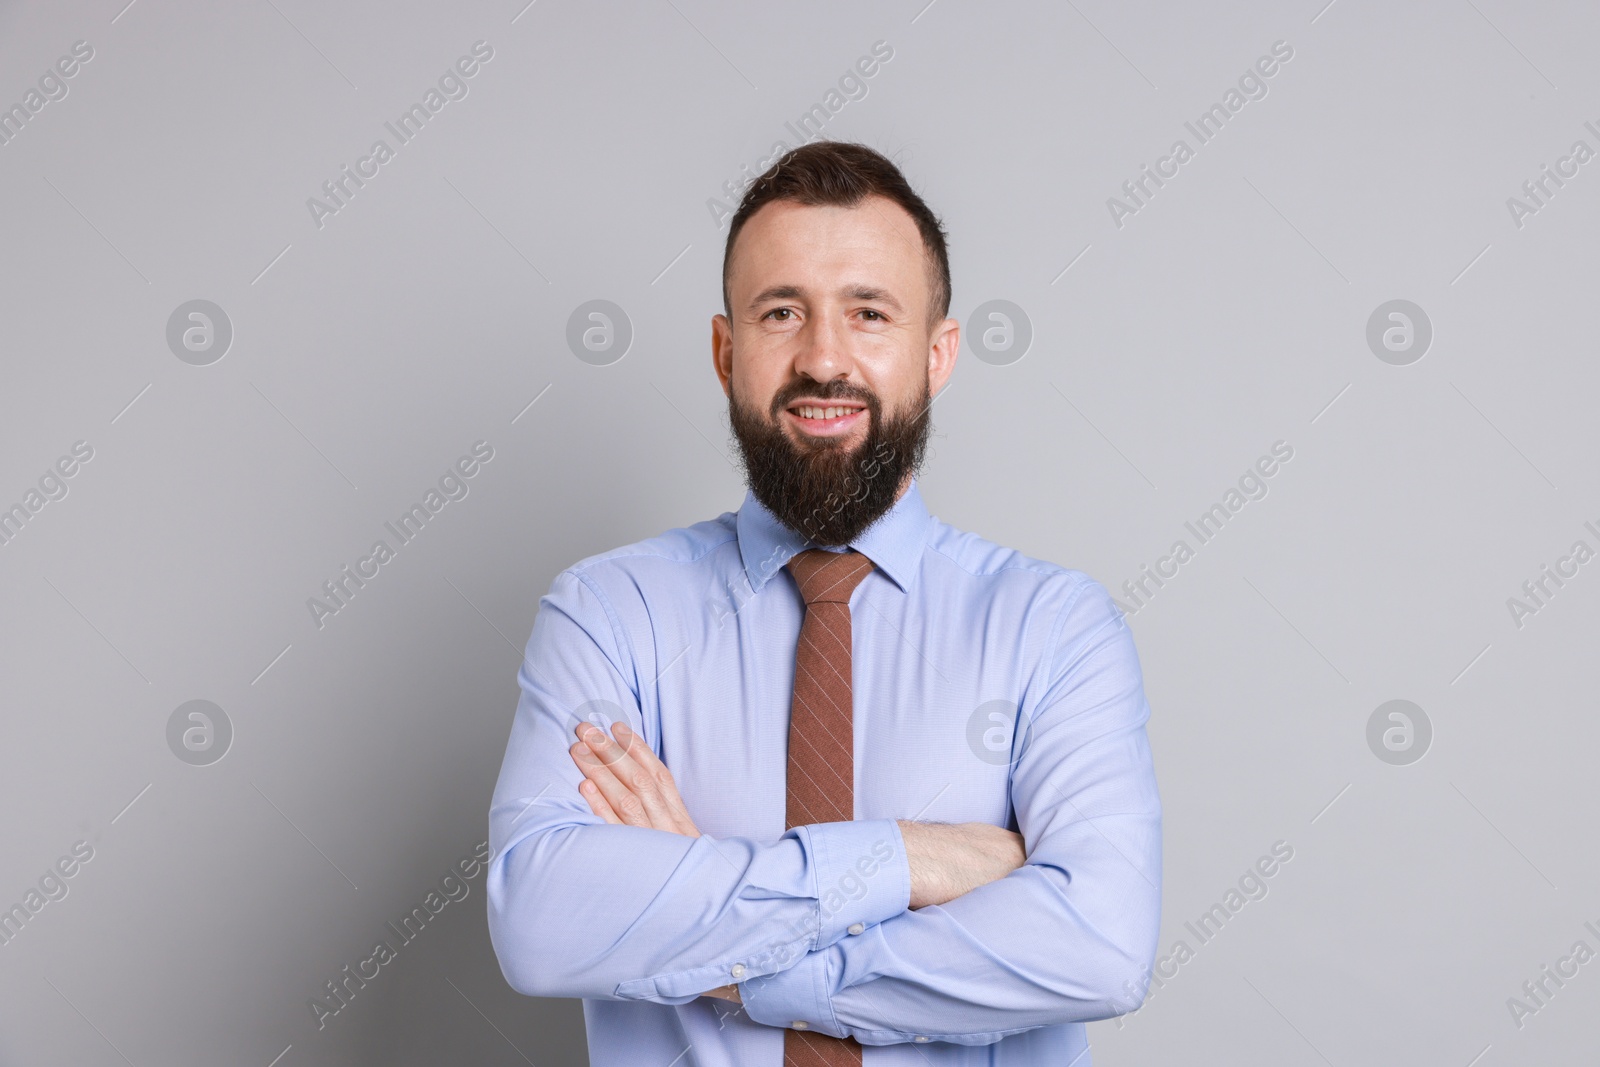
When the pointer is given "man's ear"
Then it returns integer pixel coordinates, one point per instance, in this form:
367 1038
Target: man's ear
722 351
944 345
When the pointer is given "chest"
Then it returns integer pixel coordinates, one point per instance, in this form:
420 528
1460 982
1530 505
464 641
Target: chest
938 698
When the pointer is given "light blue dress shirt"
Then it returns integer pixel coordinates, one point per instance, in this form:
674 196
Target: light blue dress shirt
989 687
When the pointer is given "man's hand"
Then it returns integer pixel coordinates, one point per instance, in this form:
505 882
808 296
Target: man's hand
626 784
948 860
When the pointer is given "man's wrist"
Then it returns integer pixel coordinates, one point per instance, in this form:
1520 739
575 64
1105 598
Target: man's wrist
926 862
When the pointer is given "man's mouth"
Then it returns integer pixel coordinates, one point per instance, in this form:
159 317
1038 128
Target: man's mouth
820 419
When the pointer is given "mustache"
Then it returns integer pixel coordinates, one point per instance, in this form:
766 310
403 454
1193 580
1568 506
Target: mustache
834 390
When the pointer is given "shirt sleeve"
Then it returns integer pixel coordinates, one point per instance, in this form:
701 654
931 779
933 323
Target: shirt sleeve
578 907
1067 937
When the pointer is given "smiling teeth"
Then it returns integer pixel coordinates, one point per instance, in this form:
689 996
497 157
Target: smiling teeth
825 413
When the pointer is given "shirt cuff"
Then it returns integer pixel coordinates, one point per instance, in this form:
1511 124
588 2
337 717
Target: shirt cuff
863 875
799 998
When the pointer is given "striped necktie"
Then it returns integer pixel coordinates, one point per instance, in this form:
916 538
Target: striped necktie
821 772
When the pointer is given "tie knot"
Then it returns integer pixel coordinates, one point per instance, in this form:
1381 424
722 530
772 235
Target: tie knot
828 577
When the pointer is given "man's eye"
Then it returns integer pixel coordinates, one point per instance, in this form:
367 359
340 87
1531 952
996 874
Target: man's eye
777 311
870 311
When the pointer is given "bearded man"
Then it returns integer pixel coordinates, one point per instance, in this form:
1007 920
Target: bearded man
826 780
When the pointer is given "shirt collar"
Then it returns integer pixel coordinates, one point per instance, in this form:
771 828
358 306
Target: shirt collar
894 543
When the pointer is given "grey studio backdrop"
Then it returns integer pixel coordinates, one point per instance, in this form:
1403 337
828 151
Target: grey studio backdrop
1340 347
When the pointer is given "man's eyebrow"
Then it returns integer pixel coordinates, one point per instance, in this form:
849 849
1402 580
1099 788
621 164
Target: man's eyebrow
868 292
776 292
854 292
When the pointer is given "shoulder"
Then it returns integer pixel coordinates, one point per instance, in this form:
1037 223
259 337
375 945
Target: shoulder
964 552
643 566
1074 601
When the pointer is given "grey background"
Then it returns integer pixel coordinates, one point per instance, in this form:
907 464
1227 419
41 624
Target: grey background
1227 314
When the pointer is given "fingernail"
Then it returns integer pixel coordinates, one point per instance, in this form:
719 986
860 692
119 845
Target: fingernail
622 729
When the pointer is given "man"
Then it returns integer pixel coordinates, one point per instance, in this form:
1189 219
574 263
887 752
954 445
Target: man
827 712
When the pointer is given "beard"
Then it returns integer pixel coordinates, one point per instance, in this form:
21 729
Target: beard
824 489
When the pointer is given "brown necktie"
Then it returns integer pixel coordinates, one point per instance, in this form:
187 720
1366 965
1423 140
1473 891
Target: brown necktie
821 775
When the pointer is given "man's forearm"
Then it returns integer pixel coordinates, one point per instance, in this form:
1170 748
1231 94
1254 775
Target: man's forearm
949 860
1020 952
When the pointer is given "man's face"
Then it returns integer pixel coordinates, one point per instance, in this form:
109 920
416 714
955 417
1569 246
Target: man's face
829 361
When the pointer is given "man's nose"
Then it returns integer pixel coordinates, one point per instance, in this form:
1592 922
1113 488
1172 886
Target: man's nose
824 352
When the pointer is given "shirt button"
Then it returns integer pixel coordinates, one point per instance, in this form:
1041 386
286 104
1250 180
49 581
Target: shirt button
738 970
919 1037
800 1024
856 928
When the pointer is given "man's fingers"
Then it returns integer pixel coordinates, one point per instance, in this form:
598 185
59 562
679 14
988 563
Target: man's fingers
634 745
616 793
631 743
597 802
640 782
637 786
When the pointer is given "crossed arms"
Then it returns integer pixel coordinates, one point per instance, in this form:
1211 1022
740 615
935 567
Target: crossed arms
883 930
626 785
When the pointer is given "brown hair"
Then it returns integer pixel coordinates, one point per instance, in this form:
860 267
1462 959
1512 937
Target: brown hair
839 173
